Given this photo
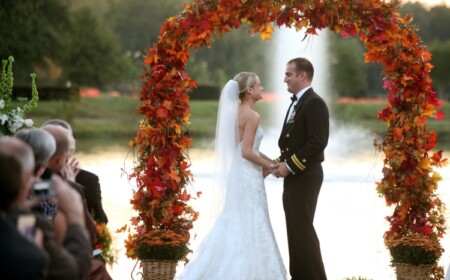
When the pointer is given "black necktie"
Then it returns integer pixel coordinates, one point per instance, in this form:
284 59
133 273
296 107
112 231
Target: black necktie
294 98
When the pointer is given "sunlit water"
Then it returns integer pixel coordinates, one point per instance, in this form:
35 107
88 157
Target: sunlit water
349 219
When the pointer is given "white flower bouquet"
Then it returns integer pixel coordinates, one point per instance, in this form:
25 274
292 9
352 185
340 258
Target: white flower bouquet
13 118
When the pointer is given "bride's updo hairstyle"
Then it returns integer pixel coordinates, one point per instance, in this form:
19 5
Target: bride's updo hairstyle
245 80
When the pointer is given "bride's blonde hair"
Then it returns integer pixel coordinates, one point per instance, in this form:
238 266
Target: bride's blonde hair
245 80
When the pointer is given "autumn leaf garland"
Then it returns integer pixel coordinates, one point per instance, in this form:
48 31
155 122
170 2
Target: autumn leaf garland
162 166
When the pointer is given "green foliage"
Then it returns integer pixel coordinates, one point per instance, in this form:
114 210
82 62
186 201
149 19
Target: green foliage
237 51
412 255
93 53
429 22
351 77
33 32
171 253
105 39
349 70
441 72
61 42
11 114
421 19
137 23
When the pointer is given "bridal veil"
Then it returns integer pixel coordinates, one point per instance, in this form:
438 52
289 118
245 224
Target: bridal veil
226 142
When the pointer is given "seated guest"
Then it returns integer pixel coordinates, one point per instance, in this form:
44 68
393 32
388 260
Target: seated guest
58 164
20 258
88 180
43 146
71 260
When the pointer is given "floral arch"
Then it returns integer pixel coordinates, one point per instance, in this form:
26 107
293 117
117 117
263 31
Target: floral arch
161 167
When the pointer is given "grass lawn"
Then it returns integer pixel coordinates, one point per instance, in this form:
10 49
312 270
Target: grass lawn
112 120
365 115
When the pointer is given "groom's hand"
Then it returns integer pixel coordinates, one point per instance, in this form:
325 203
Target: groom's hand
282 170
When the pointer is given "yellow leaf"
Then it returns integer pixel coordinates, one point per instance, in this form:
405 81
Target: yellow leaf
424 163
436 177
130 253
266 32
429 110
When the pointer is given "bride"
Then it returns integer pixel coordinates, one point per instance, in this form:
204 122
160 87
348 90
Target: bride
241 243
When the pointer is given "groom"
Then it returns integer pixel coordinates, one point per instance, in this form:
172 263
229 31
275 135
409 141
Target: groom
303 139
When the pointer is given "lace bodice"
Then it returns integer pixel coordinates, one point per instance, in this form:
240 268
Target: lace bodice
258 138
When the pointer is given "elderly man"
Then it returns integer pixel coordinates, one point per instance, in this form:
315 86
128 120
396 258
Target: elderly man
58 164
70 260
87 179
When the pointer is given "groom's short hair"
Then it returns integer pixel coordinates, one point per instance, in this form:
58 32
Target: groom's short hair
303 65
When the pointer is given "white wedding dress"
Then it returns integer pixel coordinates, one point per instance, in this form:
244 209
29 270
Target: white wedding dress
241 244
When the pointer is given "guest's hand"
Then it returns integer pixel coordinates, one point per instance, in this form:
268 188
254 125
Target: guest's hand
67 173
70 169
74 165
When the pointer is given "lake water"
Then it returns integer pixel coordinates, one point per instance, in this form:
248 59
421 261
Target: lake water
349 218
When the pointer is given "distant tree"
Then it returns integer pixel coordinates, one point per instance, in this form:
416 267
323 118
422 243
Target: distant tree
138 22
439 23
235 52
441 71
421 19
93 52
430 23
366 79
349 75
32 32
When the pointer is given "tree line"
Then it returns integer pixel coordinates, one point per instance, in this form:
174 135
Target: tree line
352 77
100 43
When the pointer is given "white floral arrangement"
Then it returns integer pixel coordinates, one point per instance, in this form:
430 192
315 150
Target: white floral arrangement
13 118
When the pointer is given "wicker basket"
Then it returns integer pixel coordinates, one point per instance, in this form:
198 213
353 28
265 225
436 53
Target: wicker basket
158 270
406 271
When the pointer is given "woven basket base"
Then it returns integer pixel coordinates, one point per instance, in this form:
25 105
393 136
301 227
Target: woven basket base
158 270
406 271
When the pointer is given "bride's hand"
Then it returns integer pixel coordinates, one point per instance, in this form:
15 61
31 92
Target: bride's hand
266 172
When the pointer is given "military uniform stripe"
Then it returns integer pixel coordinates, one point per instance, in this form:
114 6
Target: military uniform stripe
300 165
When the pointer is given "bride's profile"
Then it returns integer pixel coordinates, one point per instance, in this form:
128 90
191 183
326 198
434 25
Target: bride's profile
241 243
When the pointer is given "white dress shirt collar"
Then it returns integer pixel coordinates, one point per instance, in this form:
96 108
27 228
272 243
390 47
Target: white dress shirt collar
300 93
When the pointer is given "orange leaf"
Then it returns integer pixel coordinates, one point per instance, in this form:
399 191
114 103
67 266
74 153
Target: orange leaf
162 113
398 133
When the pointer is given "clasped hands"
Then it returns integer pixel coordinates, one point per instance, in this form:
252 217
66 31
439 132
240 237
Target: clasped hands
277 170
